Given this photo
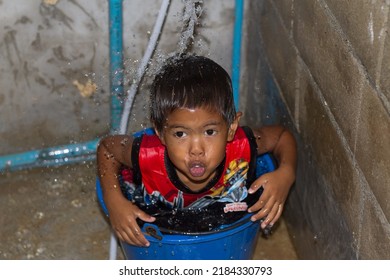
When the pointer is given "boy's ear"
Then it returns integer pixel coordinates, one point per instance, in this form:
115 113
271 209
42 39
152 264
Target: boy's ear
233 126
159 135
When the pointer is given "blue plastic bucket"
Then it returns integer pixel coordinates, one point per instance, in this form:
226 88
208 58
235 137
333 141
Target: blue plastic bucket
234 241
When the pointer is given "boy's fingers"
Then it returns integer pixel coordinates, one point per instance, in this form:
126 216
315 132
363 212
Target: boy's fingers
256 207
261 182
146 218
253 188
278 214
261 214
269 216
136 237
143 216
132 234
273 215
263 205
141 240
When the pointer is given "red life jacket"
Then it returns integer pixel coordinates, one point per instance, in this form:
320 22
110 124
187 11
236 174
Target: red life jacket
154 170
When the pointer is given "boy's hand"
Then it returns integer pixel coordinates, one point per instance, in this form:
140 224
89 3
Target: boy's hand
123 217
271 202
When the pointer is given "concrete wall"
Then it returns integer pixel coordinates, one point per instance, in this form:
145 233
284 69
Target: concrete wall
322 67
47 45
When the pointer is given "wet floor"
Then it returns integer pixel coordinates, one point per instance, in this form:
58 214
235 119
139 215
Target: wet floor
52 213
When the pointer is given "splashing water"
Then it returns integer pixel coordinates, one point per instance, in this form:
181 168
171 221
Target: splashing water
192 12
190 19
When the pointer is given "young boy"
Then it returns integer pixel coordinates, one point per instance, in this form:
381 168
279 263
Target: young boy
198 156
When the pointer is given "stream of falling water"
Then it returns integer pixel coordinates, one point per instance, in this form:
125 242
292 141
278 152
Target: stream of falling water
192 13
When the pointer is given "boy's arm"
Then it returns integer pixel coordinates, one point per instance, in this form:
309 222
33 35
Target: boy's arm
281 143
113 152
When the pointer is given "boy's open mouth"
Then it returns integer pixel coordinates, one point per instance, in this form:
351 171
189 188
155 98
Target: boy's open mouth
197 169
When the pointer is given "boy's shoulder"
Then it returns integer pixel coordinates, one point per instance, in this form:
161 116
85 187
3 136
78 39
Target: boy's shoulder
148 141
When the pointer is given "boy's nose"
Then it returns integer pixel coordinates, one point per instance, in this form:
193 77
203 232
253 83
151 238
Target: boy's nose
196 148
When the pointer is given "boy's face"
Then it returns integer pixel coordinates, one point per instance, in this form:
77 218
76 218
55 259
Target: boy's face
195 140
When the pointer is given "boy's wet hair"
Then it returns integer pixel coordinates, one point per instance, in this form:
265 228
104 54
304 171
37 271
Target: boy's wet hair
191 82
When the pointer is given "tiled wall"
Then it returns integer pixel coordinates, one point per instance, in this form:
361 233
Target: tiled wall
322 68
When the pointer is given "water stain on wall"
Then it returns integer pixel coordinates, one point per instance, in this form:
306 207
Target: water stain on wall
14 57
94 24
51 12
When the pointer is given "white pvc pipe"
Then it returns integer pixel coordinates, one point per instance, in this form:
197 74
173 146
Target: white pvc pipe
142 67
113 246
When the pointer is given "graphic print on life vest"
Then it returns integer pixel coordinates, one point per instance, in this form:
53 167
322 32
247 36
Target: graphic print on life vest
232 192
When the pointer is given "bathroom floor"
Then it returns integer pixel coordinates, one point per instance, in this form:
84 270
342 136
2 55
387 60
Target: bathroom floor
52 213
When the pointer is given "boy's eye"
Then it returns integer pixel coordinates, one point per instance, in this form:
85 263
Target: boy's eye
179 134
210 132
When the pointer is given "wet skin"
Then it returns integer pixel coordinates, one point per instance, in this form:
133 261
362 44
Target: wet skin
195 140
